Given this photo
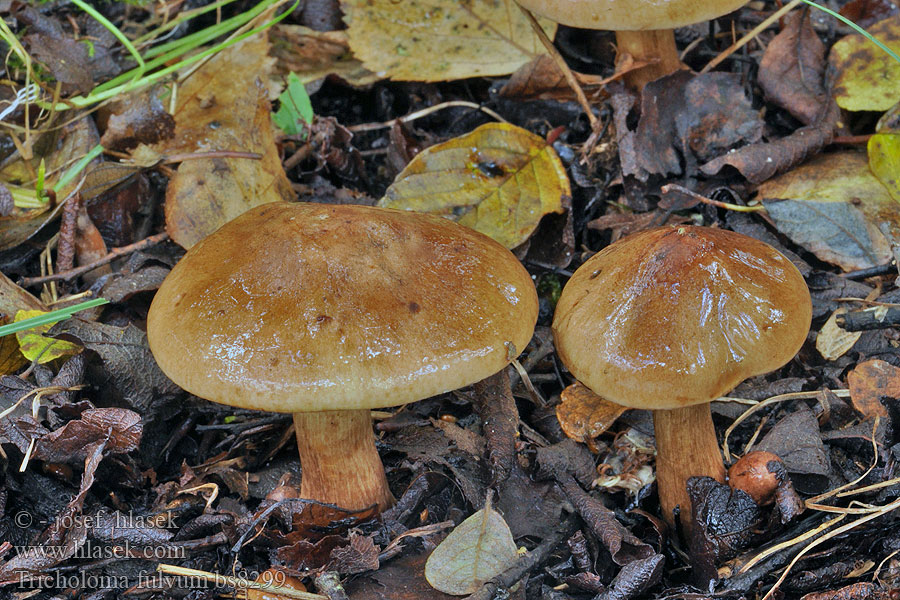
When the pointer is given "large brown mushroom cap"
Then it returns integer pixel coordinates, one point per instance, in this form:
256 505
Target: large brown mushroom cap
673 317
631 15
309 307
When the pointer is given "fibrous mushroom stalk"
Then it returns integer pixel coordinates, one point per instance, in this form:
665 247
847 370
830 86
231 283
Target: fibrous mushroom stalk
339 462
655 47
686 447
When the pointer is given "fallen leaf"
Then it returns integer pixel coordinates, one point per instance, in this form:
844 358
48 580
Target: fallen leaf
833 341
833 206
542 79
37 347
686 118
867 12
440 40
223 106
758 162
479 549
120 428
866 75
499 179
314 55
583 415
884 161
869 382
791 69
138 118
128 374
11 358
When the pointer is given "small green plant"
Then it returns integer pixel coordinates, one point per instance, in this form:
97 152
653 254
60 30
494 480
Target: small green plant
295 113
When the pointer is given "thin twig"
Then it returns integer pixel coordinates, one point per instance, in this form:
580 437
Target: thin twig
113 255
672 187
423 113
561 64
752 34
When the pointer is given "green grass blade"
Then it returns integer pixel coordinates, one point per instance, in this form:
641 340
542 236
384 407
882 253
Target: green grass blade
51 317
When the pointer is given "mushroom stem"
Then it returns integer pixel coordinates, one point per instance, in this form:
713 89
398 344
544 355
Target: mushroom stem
649 46
339 461
686 446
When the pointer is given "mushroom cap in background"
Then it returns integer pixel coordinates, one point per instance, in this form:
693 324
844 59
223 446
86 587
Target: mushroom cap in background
311 307
676 316
630 15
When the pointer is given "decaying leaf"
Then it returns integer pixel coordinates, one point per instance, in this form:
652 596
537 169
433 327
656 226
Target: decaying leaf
790 72
833 206
583 415
35 346
866 76
314 55
224 106
833 341
869 382
884 161
439 40
499 179
479 549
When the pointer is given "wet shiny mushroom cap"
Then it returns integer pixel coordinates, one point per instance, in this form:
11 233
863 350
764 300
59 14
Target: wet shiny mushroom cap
677 316
630 15
309 307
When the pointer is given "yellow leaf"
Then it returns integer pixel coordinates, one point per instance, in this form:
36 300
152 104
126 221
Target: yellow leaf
884 160
867 77
499 180
439 40
479 549
35 346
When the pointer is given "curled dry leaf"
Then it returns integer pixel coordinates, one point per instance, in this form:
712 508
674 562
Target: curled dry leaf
583 415
833 341
866 76
440 40
478 550
869 382
499 179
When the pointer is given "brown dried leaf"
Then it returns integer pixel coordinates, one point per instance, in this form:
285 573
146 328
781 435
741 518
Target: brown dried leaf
224 106
141 118
758 162
686 118
542 79
359 556
791 70
869 382
314 55
868 12
583 415
119 428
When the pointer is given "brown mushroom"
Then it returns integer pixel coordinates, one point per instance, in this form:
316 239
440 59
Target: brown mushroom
644 28
328 311
670 319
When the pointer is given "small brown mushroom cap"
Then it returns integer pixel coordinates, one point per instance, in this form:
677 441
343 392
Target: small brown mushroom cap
310 307
751 473
672 317
630 15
